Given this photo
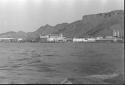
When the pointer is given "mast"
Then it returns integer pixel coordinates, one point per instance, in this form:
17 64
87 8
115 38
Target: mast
118 34
114 33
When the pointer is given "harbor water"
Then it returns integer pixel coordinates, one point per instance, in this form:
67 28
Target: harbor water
48 63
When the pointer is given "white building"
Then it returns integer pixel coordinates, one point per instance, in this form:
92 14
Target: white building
19 39
6 39
91 39
84 39
79 40
54 37
116 33
44 36
99 38
11 39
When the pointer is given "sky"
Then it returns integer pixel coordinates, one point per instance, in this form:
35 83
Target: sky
29 15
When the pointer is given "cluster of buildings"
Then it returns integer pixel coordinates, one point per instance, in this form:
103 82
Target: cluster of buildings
53 38
60 38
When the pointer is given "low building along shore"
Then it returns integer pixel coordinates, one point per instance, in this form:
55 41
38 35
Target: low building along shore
11 39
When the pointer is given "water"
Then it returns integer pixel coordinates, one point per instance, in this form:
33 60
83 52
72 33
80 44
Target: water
52 62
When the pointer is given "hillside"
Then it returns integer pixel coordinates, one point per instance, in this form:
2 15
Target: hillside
101 24
96 25
13 34
91 25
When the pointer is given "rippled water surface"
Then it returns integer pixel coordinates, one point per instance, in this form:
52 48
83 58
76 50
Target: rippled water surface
53 62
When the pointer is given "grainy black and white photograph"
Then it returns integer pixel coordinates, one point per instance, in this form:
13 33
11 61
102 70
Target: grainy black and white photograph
62 42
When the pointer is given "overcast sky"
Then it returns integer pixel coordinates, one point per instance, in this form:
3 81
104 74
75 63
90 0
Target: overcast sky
29 15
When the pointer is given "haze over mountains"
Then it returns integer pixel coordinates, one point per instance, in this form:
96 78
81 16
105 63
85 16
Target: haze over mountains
101 24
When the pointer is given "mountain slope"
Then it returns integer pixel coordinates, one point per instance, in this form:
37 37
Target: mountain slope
96 25
12 34
101 24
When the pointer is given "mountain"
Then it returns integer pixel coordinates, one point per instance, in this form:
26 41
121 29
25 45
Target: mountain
13 34
96 25
101 24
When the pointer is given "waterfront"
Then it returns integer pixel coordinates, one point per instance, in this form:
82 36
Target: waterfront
52 62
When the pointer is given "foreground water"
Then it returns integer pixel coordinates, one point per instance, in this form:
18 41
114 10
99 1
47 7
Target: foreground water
53 62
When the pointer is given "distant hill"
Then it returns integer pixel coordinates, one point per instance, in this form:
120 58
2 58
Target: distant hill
13 34
101 24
